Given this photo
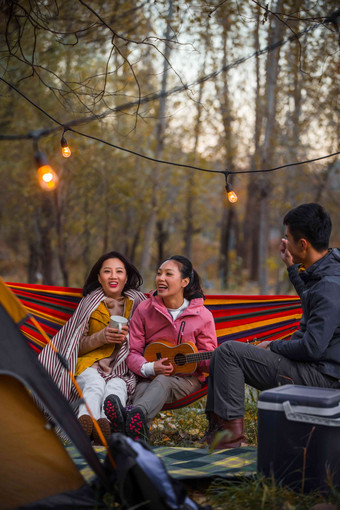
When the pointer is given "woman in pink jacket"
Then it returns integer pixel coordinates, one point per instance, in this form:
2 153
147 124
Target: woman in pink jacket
174 314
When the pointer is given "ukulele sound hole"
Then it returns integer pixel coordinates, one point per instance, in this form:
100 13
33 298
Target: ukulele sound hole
180 359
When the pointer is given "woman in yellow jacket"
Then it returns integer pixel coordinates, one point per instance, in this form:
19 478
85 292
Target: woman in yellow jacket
95 352
101 370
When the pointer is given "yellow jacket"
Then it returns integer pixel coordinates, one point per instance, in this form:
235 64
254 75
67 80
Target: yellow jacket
99 319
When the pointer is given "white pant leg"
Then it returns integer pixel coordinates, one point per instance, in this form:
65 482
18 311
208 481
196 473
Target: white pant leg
115 386
93 387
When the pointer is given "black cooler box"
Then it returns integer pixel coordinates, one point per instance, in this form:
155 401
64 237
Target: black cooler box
299 436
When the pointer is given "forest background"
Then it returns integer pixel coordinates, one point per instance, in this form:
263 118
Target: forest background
219 85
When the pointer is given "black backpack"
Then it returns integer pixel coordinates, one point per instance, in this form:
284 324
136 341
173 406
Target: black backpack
142 479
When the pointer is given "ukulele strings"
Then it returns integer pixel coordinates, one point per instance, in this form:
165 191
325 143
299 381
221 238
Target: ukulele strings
201 355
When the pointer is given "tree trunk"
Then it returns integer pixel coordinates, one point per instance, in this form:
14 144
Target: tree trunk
190 184
225 244
228 212
106 222
46 224
134 244
250 242
33 262
268 148
162 236
86 238
150 226
189 217
62 256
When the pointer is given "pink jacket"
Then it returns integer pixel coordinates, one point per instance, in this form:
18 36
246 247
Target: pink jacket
152 322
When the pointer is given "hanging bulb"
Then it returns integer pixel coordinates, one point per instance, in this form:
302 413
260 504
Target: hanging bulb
47 177
65 150
231 195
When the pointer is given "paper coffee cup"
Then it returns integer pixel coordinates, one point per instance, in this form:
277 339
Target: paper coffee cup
117 321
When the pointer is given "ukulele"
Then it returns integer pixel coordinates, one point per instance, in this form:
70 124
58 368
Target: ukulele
183 357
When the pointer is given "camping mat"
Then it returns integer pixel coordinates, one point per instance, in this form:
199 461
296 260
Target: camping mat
185 463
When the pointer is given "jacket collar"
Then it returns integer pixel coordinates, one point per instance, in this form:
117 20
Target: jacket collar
315 270
190 310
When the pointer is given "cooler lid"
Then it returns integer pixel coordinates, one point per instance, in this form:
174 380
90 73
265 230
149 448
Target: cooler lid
302 395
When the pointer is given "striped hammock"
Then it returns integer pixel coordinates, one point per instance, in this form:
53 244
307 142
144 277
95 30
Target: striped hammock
242 318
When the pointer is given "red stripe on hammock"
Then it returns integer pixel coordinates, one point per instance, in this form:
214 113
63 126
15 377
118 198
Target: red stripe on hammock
48 299
251 320
189 399
47 311
230 311
45 288
247 297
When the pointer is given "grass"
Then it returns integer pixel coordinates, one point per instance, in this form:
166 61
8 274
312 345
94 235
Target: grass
185 427
261 494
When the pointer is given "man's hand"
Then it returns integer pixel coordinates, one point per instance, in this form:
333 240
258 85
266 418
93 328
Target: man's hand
265 344
285 253
163 366
113 337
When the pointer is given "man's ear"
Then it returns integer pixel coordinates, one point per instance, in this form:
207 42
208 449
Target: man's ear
304 244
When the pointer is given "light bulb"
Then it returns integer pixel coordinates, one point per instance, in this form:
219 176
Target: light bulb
47 177
65 150
232 197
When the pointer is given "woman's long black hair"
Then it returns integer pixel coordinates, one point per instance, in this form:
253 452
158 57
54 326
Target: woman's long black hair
193 289
134 279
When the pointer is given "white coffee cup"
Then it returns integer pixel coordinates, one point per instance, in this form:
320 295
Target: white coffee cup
117 321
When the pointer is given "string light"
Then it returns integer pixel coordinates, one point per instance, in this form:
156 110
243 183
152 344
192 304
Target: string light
231 195
47 177
65 149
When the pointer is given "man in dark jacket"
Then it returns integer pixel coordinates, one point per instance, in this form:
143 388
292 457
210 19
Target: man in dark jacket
312 355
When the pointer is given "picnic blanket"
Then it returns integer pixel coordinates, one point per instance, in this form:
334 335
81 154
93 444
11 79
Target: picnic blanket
189 463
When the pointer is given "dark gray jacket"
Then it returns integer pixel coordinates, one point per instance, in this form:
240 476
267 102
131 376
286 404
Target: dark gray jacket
318 339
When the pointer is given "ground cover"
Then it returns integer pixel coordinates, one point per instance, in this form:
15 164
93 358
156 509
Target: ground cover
185 427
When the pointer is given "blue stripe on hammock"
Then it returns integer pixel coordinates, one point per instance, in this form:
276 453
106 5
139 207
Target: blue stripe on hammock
260 304
250 332
37 294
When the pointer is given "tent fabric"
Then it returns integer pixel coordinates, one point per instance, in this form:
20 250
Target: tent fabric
19 362
84 498
237 317
13 306
26 473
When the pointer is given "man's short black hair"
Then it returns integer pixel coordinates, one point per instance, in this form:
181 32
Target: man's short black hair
311 222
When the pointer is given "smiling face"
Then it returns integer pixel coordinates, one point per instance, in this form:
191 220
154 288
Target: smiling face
170 284
112 277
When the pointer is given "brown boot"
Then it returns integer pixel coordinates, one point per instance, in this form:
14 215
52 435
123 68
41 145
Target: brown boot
215 423
86 422
234 437
105 427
